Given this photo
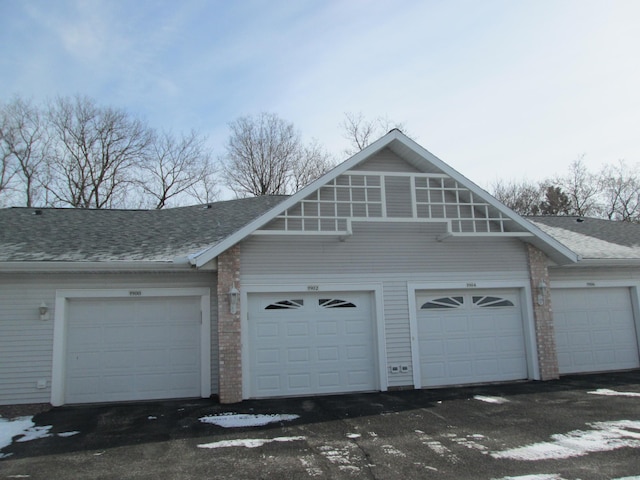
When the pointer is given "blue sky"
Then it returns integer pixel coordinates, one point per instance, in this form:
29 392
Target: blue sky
499 89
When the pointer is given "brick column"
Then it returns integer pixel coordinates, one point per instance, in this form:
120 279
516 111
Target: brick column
229 339
542 314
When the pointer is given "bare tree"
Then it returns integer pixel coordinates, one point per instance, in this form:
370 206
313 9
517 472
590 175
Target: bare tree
582 189
620 191
175 166
522 197
96 149
7 167
24 137
265 156
360 132
312 163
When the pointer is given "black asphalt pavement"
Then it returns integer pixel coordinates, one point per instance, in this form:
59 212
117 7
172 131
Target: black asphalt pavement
579 427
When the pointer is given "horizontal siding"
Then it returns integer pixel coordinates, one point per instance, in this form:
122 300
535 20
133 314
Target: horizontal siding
26 342
386 161
388 254
382 248
593 274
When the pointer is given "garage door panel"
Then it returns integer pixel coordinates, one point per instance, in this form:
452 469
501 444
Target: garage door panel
469 337
132 349
326 345
298 355
595 330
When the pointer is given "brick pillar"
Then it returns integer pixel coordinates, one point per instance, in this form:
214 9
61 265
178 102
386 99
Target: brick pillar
229 339
542 314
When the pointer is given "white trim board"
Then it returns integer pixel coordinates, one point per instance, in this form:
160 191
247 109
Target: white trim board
524 287
375 288
60 329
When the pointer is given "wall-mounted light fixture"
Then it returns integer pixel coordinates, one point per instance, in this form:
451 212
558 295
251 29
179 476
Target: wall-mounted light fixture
234 296
44 311
542 292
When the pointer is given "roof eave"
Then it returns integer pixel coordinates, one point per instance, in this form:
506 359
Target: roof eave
608 262
111 266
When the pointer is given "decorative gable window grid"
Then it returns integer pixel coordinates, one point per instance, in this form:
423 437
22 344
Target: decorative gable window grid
391 196
335 303
443 303
285 305
487 301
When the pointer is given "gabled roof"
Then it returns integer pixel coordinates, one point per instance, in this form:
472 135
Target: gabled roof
81 235
594 239
424 161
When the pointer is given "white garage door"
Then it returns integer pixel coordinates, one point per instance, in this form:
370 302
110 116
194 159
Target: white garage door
303 344
595 329
470 337
132 349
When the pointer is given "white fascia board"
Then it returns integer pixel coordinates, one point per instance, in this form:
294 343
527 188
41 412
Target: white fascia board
54 266
208 255
604 263
561 251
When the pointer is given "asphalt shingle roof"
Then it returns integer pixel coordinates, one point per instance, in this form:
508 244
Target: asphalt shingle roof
64 234
593 238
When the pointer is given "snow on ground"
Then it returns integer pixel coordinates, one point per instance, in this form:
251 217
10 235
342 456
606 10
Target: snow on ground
497 400
25 430
542 476
248 442
237 420
605 436
613 393
22 427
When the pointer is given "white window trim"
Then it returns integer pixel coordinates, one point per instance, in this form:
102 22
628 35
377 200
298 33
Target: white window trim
379 330
58 374
526 306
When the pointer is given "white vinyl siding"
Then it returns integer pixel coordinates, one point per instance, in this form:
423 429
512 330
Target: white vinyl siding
391 254
386 161
26 342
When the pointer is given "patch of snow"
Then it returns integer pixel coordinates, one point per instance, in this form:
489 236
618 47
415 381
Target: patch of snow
487 399
35 433
18 476
238 420
469 443
353 435
68 434
309 465
635 477
391 450
340 456
21 427
606 436
613 393
542 476
249 443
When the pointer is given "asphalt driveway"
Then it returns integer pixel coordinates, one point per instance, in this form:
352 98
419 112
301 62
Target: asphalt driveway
581 427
